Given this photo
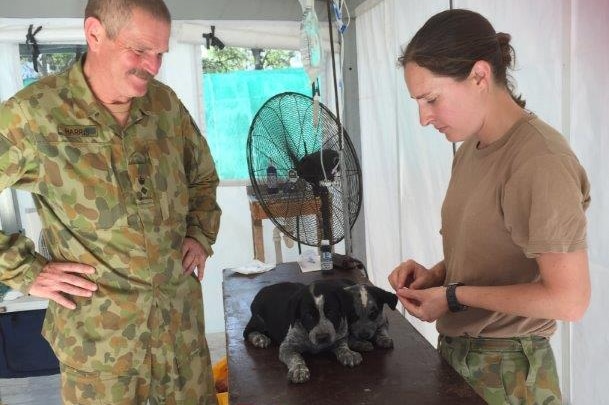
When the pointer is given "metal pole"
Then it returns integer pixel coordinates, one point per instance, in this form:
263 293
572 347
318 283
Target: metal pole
343 165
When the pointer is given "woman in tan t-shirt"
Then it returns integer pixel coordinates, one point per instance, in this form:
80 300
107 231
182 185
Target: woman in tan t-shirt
513 219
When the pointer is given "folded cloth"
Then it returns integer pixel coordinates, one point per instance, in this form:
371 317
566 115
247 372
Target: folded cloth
254 267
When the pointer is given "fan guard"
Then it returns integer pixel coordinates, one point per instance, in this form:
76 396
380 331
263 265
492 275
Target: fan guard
308 205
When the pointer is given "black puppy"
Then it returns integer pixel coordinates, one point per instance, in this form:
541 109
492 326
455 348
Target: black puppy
300 319
370 324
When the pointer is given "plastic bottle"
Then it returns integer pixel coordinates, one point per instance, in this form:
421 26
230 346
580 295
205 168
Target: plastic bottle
271 178
326 256
290 185
310 40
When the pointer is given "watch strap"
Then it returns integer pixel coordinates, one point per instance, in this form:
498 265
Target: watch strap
451 297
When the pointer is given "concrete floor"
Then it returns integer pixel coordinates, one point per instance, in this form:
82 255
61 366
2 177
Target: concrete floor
45 390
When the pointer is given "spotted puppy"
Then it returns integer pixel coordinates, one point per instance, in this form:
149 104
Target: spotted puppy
370 324
300 319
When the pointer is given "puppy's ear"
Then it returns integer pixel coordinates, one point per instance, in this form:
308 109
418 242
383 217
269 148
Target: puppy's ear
383 297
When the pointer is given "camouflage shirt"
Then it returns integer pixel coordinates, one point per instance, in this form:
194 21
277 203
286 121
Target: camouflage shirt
120 199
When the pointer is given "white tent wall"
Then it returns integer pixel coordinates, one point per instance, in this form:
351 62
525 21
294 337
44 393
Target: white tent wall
589 134
402 183
561 72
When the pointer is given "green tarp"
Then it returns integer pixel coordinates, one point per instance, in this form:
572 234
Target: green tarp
231 102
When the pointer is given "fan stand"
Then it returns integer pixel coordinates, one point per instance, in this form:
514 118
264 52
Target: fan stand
326 214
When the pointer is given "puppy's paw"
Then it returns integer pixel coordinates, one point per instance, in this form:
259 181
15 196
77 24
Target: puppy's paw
349 358
259 340
384 342
299 373
361 346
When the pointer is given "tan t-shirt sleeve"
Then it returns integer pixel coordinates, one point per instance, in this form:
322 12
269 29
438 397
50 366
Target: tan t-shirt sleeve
544 204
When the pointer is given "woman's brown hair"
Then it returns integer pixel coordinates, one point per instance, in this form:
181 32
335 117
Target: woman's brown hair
452 41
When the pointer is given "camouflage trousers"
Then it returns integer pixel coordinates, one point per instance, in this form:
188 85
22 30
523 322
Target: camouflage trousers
505 371
160 381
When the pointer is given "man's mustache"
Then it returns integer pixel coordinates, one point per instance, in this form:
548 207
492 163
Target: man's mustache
142 74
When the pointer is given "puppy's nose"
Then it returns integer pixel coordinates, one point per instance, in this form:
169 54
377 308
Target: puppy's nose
323 338
366 334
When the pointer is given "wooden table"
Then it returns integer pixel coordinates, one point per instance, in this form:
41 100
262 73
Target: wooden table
411 373
284 206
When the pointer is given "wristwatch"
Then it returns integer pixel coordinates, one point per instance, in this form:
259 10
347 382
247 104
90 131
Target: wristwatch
451 297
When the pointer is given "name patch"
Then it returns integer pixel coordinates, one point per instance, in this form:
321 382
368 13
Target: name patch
78 130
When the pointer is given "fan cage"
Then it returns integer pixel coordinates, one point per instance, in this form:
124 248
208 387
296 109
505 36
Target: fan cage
283 133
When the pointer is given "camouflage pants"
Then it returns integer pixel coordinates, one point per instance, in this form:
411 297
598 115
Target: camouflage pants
505 371
162 379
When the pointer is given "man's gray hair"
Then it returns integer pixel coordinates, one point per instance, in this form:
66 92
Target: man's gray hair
115 14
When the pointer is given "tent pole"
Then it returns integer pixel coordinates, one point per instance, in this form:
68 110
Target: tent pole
343 165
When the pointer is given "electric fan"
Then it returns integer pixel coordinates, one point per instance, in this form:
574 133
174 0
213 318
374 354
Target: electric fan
313 197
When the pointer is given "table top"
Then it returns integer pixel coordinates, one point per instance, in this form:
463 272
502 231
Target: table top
412 372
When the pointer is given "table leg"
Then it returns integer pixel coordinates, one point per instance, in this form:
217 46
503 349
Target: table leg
257 237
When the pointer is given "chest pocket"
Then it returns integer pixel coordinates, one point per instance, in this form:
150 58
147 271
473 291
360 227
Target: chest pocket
140 173
81 181
169 178
152 210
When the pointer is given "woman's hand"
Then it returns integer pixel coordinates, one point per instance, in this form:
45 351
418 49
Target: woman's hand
427 305
415 276
419 289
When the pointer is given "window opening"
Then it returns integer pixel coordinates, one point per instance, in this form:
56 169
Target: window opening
236 82
53 58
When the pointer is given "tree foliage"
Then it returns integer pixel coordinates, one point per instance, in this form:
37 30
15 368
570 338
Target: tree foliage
52 58
230 59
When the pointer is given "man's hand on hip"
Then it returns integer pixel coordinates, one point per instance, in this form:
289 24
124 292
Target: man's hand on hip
58 280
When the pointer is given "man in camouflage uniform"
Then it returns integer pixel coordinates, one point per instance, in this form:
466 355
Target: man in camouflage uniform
125 187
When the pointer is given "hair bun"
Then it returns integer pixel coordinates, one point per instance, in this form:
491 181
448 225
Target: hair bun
507 52
503 38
